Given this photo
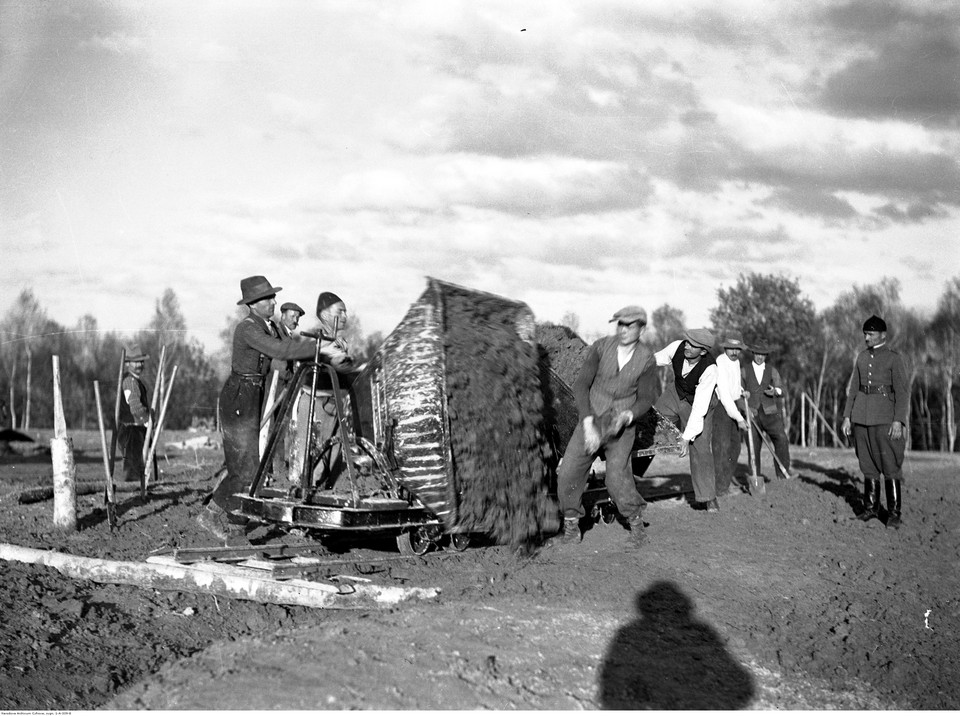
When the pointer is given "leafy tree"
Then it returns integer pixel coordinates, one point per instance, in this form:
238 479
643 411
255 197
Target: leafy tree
571 320
945 330
666 324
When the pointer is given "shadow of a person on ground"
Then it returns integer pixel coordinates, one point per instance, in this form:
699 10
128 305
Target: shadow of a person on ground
666 659
839 482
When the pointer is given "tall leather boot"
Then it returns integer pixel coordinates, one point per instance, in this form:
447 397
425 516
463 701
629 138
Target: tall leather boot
871 500
893 503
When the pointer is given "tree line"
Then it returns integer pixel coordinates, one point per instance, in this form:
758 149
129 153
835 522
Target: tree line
29 338
814 351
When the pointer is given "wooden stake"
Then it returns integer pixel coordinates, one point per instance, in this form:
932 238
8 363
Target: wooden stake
116 412
108 494
153 403
64 469
156 435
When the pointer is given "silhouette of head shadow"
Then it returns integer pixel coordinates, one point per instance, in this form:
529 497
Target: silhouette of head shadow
667 659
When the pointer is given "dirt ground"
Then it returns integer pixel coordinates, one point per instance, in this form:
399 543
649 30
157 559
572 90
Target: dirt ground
776 602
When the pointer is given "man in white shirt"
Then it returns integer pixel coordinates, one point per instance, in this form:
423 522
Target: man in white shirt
728 422
688 400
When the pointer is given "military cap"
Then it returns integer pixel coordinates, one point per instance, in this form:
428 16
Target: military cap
874 323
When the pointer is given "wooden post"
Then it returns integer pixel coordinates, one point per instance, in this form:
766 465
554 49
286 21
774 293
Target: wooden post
64 469
803 418
156 434
116 412
109 493
153 403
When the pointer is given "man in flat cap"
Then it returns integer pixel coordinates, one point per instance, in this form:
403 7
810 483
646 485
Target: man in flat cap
616 385
877 407
688 401
765 387
728 421
286 328
134 415
241 401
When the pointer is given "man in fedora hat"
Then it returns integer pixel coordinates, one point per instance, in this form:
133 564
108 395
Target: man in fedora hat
134 415
616 385
688 401
241 401
728 422
877 407
764 387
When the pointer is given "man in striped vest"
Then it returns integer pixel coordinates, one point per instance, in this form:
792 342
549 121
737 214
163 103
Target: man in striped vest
688 401
617 384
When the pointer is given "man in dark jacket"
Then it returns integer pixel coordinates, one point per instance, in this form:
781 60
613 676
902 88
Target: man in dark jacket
762 381
877 407
617 384
241 401
134 415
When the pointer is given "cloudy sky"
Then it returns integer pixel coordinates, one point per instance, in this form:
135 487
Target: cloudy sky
577 156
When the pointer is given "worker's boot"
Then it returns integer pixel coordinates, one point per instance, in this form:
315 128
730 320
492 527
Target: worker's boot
893 503
215 520
638 532
871 500
571 531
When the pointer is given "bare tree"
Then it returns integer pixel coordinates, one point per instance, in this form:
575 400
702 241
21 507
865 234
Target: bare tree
945 329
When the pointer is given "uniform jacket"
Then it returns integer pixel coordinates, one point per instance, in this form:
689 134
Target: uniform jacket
881 370
758 399
602 385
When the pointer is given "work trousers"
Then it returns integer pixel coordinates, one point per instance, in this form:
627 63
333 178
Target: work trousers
702 471
726 448
241 403
878 452
575 469
772 426
130 440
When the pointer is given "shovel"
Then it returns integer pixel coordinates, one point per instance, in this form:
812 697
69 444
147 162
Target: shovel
756 482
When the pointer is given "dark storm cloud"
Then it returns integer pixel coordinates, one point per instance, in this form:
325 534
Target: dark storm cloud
914 213
930 178
811 201
910 64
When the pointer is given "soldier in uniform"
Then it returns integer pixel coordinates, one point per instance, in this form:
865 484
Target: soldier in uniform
688 401
877 407
134 415
765 388
241 400
617 384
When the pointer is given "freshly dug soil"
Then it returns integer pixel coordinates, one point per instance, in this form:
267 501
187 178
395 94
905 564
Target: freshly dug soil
777 602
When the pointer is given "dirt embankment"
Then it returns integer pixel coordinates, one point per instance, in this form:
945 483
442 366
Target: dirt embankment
778 602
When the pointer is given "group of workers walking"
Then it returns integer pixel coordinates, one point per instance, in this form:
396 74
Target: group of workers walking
713 401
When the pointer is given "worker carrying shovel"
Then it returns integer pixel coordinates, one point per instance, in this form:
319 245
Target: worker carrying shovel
762 381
